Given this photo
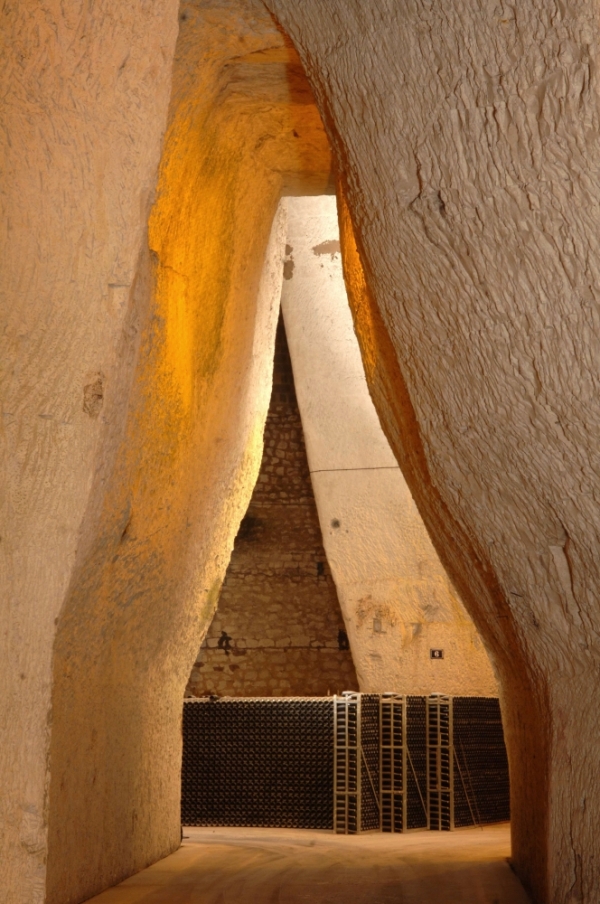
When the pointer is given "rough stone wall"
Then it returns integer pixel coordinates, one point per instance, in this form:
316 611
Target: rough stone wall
466 139
83 110
276 631
396 598
136 355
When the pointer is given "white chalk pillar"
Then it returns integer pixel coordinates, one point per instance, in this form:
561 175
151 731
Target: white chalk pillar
395 596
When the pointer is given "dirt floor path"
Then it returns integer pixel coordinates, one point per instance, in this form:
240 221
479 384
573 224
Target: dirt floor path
292 866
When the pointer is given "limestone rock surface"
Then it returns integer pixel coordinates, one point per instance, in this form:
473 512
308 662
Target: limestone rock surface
397 600
466 140
465 136
85 92
242 130
137 332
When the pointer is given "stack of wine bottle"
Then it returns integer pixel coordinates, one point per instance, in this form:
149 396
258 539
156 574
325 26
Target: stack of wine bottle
351 763
481 788
258 762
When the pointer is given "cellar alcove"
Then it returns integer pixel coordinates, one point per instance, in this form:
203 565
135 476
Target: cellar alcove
267 732
146 150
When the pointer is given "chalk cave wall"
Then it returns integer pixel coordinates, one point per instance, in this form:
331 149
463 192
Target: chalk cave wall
396 597
84 108
278 622
278 629
180 443
145 150
466 142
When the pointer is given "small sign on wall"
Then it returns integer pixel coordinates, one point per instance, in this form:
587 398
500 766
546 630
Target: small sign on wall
436 654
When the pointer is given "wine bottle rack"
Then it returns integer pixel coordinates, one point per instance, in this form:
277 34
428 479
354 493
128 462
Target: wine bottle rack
351 763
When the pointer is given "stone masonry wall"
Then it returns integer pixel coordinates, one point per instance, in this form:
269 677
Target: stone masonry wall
278 629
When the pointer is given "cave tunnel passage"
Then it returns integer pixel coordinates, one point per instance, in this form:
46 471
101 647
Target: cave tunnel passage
394 623
333 586
259 653
239 769
332 552
142 315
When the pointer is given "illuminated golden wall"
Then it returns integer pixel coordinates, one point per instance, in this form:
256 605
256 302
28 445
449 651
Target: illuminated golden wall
243 129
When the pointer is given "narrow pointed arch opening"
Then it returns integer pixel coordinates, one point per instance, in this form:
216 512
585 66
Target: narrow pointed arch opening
243 132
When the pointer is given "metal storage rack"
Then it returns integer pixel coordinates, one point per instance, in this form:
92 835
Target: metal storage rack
351 763
440 763
467 781
346 773
392 762
379 779
356 795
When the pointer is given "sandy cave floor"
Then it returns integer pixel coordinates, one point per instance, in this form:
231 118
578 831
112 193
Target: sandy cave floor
293 866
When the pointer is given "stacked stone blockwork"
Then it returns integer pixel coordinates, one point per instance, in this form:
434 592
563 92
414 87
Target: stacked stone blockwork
278 629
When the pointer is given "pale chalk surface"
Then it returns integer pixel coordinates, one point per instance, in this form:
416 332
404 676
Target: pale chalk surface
396 598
